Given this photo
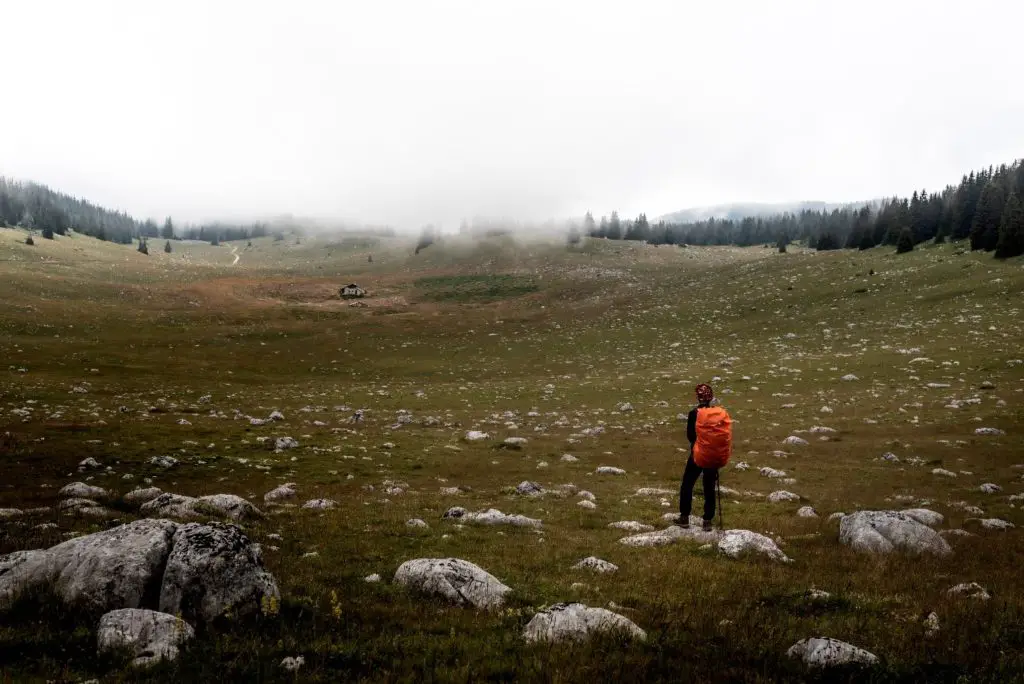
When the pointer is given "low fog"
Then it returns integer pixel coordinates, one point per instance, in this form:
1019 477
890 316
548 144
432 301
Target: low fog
411 113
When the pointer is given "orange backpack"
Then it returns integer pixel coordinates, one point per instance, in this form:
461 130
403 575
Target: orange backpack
714 437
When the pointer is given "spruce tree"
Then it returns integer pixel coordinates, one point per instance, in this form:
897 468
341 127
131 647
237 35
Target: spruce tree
781 244
905 243
47 233
142 246
167 247
1011 229
29 241
985 228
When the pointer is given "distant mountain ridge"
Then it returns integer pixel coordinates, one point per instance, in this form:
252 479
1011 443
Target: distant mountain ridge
740 210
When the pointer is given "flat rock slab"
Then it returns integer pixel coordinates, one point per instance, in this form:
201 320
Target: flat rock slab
214 569
823 652
596 564
455 579
215 506
80 490
883 532
149 635
576 622
670 535
631 526
491 516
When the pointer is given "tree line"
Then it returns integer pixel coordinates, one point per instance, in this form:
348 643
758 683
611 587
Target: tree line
986 208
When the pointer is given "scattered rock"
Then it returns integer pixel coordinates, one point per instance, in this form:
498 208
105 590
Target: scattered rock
807 512
491 516
455 579
924 516
596 564
781 496
824 652
137 497
320 504
931 624
575 621
11 513
283 443
943 472
669 535
89 464
372 578
476 435
989 431
849 377
737 543
631 526
280 493
989 488
80 490
589 505
995 524
970 590
416 522
886 531
610 470
291 664
151 636
793 440
527 488
772 473
164 462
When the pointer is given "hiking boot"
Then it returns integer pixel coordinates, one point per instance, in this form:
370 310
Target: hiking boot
707 526
680 521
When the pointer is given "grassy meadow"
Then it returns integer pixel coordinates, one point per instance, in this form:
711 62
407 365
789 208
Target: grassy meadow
112 354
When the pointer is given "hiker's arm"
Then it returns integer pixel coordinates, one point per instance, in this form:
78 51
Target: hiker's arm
691 427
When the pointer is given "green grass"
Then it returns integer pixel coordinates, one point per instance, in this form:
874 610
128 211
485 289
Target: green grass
473 330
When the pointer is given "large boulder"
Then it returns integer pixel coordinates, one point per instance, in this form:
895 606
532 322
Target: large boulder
188 507
149 635
575 621
823 652
281 492
738 543
137 497
230 506
117 568
455 579
214 569
171 506
887 531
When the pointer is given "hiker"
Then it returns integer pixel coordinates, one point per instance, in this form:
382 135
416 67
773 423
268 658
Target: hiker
709 430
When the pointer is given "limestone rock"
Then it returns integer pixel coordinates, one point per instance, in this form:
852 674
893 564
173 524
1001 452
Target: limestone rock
887 531
610 470
596 564
575 621
455 579
151 636
781 496
737 543
823 652
214 569
631 526
970 590
80 490
137 497
285 491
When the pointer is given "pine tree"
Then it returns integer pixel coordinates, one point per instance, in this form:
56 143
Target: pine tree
906 241
615 227
168 232
215 242
573 238
781 244
167 247
143 247
29 241
589 227
1011 229
47 233
985 228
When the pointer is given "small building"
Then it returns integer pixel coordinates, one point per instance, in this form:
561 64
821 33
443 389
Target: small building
352 291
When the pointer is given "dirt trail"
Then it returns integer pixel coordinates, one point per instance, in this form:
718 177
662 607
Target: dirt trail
234 253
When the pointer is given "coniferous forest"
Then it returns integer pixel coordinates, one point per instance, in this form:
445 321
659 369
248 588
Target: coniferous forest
986 208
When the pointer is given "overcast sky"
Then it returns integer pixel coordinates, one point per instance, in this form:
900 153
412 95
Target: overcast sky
413 112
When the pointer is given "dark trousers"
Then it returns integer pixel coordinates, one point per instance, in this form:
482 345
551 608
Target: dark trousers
690 475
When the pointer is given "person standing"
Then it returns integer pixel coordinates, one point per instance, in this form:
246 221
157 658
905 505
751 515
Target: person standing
709 431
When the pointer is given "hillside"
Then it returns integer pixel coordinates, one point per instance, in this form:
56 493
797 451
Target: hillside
166 369
736 211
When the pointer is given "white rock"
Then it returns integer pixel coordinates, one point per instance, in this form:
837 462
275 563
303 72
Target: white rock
568 458
281 492
995 524
943 472
586 495
291 664
372 578
931 624
736 543
849 377
772 472
527 488
137 497
320 504
838 515
214 569
823 652
164 462
990 431
11 513
104 571
970 590
821 429
887 531
818 595
989 488
575 621
610 470
742 465
891 457
782 495
924 516
793 440
631 526
275 415
149 635
670 535
624 407
80 490
171 506
283 443
455 579
89 464
589 505
515 441
416 522
476 435
653 491
229 506
596 564
807 512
